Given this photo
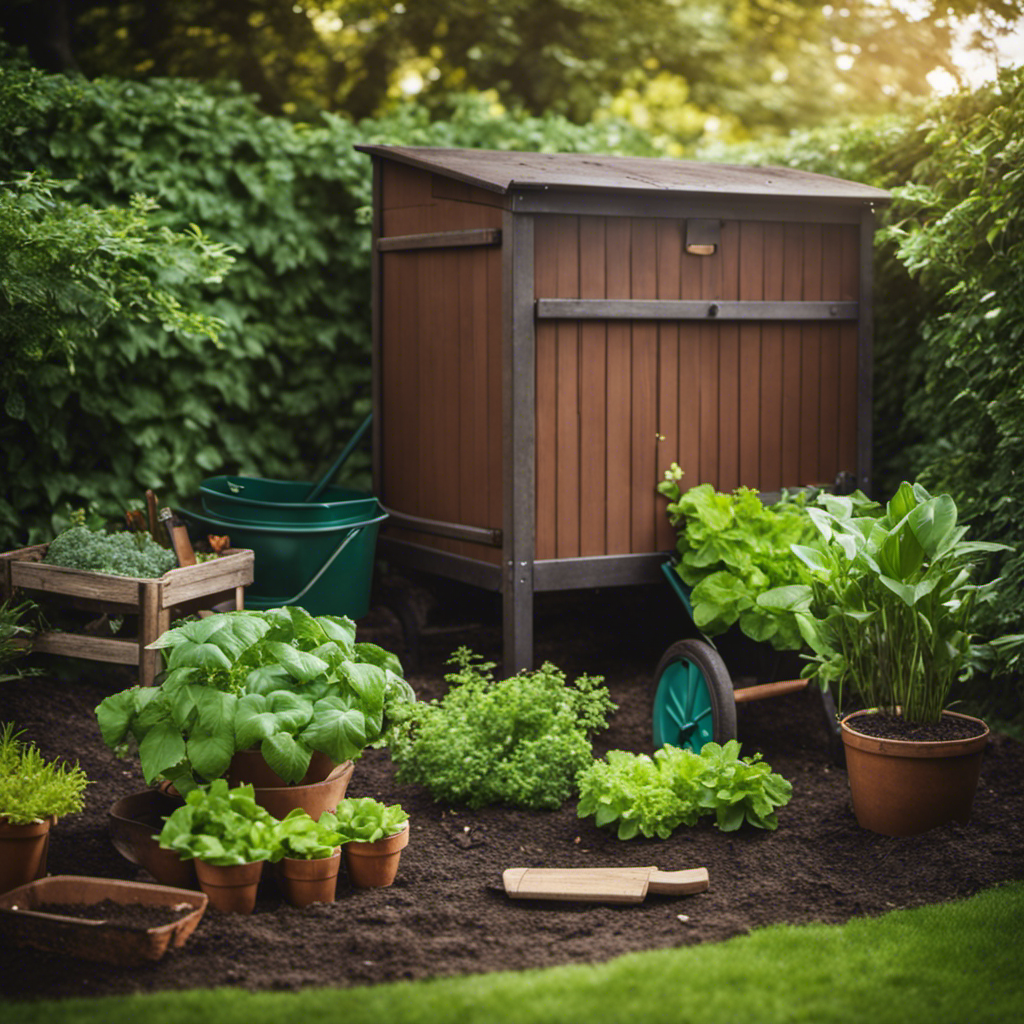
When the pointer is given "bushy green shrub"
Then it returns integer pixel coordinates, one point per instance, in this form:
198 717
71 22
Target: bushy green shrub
518 741
288 380
949 318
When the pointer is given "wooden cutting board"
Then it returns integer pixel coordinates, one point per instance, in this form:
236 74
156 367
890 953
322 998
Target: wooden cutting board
601 885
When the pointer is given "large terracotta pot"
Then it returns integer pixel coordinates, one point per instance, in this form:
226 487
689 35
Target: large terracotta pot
249 766
231 887
314 795
23 852
906 787
374 865
134 821
309 881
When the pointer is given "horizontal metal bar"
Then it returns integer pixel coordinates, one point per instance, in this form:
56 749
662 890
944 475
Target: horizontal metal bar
454 531
485 575
675 309
598 571
441 240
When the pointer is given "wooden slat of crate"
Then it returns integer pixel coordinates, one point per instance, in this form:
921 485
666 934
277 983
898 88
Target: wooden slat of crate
151 599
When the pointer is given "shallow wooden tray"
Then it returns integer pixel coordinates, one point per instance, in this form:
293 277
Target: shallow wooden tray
24 920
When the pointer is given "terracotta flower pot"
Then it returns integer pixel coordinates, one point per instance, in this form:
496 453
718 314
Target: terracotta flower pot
309 881
249 766
23 852
374 865
231 887
274 794
905 787
134 821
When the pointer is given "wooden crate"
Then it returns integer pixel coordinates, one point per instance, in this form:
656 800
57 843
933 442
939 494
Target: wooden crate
181 591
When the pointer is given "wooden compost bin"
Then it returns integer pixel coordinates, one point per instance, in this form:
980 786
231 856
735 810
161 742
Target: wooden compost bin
551 332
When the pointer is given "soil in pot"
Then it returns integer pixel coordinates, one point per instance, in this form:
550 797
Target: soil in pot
375 865
903 787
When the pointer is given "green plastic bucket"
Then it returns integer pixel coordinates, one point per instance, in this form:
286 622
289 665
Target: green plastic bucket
251 499
326 569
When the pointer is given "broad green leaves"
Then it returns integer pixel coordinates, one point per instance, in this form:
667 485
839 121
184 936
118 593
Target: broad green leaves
281 680
651 797
732 549
889 604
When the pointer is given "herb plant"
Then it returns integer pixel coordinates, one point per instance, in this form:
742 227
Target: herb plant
655 796
279 679
365 820
121 554
889 604
32 788
14 628
222 826
520 741
732 548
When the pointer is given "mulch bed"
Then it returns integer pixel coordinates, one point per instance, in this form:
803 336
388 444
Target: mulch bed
447 912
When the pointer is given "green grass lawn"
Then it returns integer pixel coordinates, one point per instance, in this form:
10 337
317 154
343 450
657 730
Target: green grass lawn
956 962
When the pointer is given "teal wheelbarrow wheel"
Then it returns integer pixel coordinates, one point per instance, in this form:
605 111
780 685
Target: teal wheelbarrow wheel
693 698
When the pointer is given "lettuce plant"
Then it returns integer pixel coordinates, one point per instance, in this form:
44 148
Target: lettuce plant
518 741
732 548
365 820
279 679
301 837
222 826
653 796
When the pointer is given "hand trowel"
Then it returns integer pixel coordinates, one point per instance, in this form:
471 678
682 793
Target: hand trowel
601 885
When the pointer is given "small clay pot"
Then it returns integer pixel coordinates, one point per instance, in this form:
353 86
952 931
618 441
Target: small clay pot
23 851
906 787
305 881
374 865
231 888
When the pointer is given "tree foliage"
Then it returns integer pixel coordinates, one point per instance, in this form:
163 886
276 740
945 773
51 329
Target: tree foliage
668 64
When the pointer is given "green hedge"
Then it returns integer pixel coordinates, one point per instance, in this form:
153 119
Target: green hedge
288 380
949 318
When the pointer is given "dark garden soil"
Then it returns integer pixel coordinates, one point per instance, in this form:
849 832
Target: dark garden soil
447 912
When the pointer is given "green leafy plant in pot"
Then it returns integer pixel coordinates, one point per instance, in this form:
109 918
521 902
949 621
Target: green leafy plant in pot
888 613
34 793
296 689
230 837
373 836
310 858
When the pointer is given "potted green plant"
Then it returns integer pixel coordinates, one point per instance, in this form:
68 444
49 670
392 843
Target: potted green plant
229 836
373 836
310 858
278 686
34 793
888 613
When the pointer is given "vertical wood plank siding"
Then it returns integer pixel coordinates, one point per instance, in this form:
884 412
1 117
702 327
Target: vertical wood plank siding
768 404
440 416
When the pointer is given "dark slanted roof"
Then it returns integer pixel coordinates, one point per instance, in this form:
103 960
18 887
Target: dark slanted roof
501 171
